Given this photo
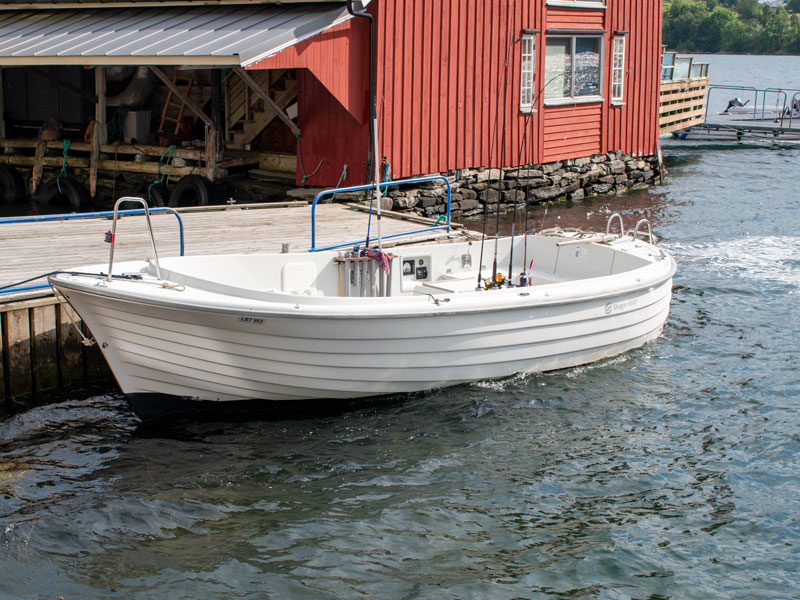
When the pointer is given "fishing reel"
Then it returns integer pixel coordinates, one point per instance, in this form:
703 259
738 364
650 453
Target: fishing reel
497 282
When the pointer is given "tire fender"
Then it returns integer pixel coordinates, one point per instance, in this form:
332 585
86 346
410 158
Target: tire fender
191 190
73 196
12 186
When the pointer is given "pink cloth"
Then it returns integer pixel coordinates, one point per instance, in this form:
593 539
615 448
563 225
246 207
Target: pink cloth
381 257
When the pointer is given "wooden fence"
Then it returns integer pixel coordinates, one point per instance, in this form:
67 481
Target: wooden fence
42 351
682 104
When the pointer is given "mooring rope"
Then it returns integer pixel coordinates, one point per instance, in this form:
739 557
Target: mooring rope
63 171
169 153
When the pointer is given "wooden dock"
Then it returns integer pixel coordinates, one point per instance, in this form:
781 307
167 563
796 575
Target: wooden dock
41 350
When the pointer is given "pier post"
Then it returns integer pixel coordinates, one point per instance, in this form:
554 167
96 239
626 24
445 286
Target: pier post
99 131
41 351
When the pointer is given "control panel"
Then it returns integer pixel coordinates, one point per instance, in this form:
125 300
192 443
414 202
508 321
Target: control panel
416 269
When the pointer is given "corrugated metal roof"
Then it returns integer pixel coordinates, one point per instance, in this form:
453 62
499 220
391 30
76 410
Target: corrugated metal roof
211 35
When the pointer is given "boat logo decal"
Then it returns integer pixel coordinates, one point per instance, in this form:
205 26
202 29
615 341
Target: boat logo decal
619 306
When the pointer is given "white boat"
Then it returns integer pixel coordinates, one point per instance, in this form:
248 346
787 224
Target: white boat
323 325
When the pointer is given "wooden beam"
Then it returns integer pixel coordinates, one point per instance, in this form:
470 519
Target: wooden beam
141 149
265 97
183 97
38 166
44 161
99 131
2 107
211 152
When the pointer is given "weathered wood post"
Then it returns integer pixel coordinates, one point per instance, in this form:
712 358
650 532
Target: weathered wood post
99 131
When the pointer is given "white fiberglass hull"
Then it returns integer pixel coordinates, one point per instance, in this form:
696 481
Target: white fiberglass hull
215 356
208 346
195 339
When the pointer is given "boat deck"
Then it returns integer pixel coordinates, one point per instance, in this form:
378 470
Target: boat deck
35 248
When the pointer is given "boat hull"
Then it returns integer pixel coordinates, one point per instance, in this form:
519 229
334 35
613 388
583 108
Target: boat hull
220 355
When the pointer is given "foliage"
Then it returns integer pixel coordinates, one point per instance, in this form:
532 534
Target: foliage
738 26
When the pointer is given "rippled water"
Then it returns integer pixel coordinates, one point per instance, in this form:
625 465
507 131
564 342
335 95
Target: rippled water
671 471
668 472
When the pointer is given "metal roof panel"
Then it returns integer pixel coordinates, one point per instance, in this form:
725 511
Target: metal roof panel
228 34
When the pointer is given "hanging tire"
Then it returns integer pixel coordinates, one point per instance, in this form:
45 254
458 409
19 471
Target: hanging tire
72 197
191 190
157 196
12 186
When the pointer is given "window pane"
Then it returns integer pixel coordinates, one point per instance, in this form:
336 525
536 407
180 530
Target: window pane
618 69
558 68
587 66
528 69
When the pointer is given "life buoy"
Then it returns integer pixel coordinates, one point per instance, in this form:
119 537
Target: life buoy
191 190
12 187
72 196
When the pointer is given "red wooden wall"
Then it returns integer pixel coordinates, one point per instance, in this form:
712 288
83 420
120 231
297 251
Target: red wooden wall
332 103
445 99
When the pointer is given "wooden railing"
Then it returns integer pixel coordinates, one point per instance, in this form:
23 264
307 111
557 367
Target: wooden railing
245 113
682 104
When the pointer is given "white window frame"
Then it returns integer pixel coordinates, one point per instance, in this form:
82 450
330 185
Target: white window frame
527 73
571 99
618 70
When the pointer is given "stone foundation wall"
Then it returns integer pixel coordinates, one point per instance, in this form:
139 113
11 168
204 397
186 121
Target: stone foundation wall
477 190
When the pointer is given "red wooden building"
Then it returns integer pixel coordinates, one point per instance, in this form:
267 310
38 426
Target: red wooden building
459 83
582 77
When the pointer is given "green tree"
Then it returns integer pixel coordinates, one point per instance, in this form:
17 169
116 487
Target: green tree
708 37
740 37
748 9
777 30
681 24
793 6
794 36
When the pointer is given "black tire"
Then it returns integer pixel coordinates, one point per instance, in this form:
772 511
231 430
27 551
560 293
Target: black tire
12 186
191 190
72 196
157 196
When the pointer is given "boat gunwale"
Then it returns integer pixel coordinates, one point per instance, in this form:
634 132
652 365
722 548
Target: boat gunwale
292 308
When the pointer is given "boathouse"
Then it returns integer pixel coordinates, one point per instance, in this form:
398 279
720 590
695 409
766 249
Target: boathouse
199 89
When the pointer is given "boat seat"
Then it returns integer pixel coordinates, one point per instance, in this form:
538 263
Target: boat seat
299 278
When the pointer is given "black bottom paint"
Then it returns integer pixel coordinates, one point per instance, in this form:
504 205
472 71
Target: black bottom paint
163 409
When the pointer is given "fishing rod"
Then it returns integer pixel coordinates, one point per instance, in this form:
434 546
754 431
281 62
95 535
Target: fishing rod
502 157
486 206
523 279
526 271
514 213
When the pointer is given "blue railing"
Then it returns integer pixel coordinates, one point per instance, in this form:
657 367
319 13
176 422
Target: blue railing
359 188
34 219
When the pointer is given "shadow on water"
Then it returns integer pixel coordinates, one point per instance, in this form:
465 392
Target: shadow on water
223 414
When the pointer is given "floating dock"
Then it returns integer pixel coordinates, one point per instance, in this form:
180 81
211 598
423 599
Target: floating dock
41 350
742 113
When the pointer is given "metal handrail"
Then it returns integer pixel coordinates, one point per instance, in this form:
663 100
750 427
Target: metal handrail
621 225
358 188
114 232
649 230
92 215
794 106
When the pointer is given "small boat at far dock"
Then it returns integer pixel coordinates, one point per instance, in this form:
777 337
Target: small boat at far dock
191 330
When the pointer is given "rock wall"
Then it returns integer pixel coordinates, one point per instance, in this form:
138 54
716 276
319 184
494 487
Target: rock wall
476 190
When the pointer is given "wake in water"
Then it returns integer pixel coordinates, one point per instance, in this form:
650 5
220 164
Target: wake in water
760 259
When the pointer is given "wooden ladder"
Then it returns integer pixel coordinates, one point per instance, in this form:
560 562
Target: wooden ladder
173 108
